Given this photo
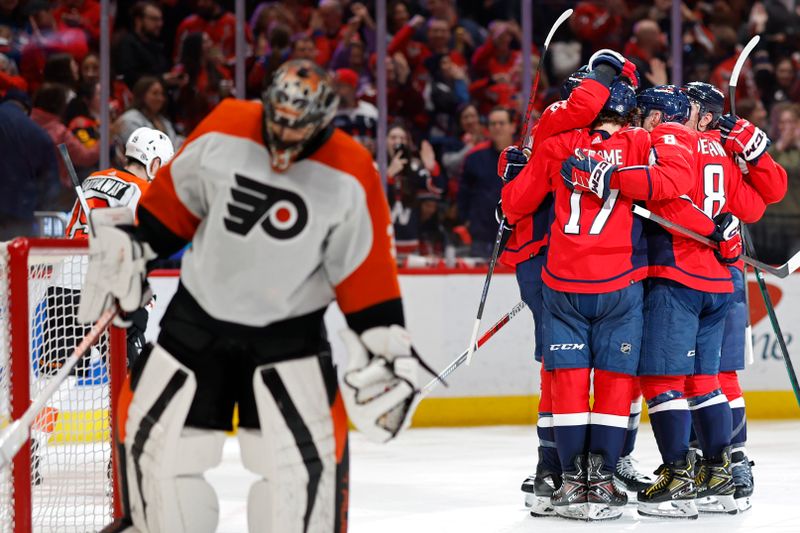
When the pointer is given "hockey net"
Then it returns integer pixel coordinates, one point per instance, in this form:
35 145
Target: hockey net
62 479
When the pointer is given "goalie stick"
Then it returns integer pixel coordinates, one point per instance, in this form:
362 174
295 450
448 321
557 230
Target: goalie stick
18 432
750 248
781 271
461 359
526 147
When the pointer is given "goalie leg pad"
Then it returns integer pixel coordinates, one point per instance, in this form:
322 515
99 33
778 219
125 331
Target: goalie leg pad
300 450
164 460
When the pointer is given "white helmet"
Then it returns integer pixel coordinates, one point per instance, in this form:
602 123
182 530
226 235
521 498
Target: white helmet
145 145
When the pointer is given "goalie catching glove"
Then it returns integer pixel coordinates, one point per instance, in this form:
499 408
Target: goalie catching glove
117 271
382 380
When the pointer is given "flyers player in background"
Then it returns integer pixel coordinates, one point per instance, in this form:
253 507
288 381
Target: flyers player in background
727 190
146 151
285 215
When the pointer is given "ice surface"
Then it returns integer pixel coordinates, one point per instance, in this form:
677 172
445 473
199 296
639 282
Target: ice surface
466 480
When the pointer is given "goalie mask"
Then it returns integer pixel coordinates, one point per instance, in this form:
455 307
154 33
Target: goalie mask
299 104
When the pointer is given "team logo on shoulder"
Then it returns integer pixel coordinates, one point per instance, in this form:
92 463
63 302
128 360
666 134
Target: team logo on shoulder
282 214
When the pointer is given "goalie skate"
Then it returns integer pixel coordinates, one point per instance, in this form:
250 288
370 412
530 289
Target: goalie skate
673 493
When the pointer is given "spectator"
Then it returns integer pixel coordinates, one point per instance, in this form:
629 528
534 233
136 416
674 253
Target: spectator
325 26
479 187
399 15
82 116
140 53
303 48
645 49
447 89
11 14
415 187
220 25
355 116
754 111
357 37
81 14
404 102
9 77
49 104
471 132
778 232
148 105
275 54
205 81
726 55
465 29
63 70
28 169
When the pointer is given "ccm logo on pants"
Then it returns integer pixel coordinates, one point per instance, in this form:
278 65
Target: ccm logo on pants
556 347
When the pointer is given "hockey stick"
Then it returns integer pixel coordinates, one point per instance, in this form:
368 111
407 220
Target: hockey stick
732 84
781 272
526 140
73 176
750 249
18 432
527 149
461 359
485 292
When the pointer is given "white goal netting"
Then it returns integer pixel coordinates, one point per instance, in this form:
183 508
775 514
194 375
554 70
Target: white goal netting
68 485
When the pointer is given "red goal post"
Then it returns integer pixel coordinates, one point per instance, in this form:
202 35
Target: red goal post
61 479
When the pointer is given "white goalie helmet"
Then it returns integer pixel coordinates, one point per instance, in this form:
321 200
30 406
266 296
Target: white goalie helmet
145 145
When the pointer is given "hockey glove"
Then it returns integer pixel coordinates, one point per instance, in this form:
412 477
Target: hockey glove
729 239
382 380
117 270
741 137
588 174
615 60
511 162
500 217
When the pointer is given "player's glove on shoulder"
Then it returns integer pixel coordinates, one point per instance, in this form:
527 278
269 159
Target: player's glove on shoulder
587 173
729 238
742 137
117 271
382 380
511 162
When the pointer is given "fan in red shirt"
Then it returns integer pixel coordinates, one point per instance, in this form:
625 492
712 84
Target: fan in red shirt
212 19
727 190
584 93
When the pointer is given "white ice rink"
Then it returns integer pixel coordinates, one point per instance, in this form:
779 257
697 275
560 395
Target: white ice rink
467 481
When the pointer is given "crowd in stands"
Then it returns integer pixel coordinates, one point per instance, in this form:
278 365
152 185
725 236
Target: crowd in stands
454 75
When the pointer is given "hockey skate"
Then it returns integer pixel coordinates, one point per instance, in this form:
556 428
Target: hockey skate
673 493
715 486
628 478
605 499
570 499
538 489
742 479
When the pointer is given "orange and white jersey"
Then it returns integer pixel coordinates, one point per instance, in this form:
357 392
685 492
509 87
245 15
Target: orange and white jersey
105 188
265 245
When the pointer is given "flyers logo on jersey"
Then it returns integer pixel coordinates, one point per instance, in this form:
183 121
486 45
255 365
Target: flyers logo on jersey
282 214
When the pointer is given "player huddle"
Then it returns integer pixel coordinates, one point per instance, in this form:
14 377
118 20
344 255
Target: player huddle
648 312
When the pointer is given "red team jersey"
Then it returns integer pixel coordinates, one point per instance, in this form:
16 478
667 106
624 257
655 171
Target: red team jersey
672 255
530 219
596 246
